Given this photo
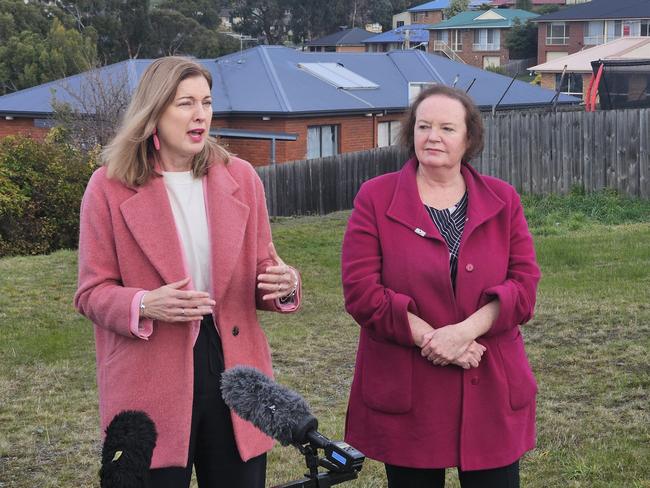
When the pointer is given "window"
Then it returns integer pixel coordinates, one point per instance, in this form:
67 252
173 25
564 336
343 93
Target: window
416 87
631 28
571 84
486 40
491 62
594 33
645 28
612 30
456 40
400 23
387 133
322 141
557 33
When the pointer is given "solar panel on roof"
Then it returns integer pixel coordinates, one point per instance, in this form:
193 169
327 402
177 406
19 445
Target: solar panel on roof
338 75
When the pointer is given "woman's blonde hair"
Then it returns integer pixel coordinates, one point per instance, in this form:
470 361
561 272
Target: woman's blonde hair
129 156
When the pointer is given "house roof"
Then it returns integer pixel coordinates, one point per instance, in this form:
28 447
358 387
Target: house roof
269 80
443 4
498 3
601 9
482 19
428 6
629 48
416 33
346 37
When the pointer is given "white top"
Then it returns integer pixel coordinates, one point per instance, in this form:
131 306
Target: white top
188 206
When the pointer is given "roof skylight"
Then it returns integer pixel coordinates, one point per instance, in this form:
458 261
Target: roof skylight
339 76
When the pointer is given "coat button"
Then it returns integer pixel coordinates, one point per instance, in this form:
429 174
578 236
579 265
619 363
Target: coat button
235 331
469 267
475 381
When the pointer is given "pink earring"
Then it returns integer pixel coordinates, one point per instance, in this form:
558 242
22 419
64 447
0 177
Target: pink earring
156 141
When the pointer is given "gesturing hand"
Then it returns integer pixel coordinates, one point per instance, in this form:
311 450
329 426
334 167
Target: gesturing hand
280 280
171 304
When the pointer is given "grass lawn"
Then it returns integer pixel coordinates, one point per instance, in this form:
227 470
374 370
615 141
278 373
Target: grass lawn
588 344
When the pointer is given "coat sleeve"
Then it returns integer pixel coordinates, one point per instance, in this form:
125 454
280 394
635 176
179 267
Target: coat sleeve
100 295
517 293
374 306
263 258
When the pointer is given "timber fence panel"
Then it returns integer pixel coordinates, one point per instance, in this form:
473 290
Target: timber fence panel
537 152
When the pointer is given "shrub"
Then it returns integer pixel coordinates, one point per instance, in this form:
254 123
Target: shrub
41 185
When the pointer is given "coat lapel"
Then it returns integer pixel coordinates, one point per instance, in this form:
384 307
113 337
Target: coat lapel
406 207
148 215
227 219
483 203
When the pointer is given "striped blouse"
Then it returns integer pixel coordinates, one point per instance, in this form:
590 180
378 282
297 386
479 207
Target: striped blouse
450 223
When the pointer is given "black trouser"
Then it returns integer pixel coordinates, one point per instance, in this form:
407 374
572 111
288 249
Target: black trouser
505 477
212 444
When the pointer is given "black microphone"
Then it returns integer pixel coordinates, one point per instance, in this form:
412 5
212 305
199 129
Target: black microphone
281 413
127 451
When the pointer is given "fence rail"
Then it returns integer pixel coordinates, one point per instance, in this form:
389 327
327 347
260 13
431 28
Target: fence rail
538 153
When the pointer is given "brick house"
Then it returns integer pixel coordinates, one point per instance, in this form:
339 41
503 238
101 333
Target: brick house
275 104
429 12
477 37
578 71
343 41
589 24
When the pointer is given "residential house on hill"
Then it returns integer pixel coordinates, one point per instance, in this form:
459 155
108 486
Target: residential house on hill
477 37
343 41
536 3
429 12
275 104
589 24
578 71
414 36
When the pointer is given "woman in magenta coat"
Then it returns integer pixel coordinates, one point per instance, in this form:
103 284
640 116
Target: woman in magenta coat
439 271
175 255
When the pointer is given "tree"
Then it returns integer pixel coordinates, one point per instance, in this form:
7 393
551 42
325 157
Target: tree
524 4
205 12
93 116
264 18
28 59
521 40
456 7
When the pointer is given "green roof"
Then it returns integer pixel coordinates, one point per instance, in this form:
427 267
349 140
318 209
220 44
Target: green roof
467 20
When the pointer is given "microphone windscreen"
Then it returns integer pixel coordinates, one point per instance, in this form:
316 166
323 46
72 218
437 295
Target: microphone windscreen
276 410
127 450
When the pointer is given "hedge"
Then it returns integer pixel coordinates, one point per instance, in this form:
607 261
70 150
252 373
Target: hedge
41 186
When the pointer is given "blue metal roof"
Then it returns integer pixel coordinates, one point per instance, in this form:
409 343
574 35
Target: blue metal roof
417 33
267 80
346 37
434 5
443 4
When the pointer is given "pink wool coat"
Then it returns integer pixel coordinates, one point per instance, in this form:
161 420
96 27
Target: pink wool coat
128 243
402 409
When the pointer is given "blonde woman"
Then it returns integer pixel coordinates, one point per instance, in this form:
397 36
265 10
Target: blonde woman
175 256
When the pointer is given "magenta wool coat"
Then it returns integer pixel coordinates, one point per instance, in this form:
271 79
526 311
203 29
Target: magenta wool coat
128 243
402 409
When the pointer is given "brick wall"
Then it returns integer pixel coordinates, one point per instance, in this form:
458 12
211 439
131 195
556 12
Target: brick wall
356 133
21 126
475 58
429 17
574 44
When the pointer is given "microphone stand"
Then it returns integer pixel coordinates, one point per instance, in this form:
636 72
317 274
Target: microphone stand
314 479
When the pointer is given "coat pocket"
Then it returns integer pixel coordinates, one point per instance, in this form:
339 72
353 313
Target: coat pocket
386 374
521 382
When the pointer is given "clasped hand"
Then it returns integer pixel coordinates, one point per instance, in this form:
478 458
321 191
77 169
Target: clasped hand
451 345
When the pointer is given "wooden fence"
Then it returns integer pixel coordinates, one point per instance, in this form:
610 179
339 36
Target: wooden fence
537 152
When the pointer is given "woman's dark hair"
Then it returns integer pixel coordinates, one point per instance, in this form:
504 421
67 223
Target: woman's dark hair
473 120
